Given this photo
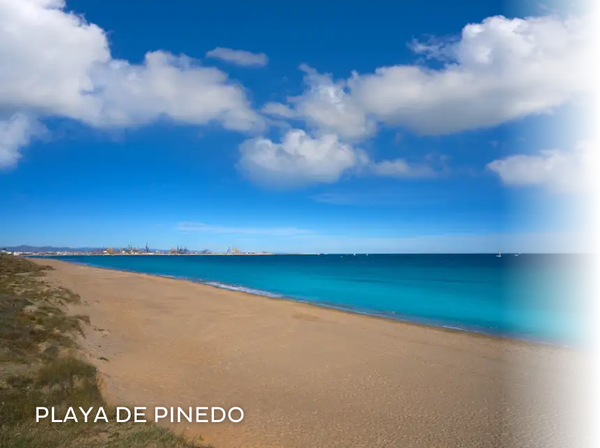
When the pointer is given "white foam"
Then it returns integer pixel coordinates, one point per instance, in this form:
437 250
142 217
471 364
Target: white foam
257 292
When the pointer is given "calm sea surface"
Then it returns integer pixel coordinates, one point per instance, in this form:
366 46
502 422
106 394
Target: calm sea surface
533 297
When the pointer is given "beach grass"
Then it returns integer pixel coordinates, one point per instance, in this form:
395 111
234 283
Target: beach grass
41 365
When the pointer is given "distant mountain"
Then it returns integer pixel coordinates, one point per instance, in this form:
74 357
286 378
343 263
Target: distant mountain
25 248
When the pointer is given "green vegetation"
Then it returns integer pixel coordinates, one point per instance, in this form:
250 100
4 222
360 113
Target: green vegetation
40 366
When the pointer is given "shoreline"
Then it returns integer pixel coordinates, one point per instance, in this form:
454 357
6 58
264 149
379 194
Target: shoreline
387 316
306 375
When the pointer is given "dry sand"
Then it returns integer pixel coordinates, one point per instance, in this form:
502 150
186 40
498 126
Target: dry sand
307 376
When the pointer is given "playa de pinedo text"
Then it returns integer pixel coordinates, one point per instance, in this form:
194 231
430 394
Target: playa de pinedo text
201 414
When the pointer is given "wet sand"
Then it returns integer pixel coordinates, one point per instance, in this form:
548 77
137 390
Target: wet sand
307 376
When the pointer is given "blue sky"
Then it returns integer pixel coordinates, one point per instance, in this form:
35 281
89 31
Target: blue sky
291 127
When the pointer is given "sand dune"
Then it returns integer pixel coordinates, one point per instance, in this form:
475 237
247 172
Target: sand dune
312 377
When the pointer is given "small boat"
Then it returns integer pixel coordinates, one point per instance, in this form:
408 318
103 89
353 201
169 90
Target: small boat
516 255
499 255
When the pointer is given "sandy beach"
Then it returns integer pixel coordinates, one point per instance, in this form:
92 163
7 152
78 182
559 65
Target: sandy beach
307 376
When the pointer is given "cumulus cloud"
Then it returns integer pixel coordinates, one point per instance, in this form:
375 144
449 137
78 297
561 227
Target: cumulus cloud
54 63
556 170
327 107
299 159
499 70
302 159
48 56
496 71
239 57
168 86
15 133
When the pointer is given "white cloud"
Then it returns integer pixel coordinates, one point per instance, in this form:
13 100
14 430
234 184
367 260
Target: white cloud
501 69
498 70
47 58
269 231
326 107
54 63
299 159
239 57
169 86
556 170
15 133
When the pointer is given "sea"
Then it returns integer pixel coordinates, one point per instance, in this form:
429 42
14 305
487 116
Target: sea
538 298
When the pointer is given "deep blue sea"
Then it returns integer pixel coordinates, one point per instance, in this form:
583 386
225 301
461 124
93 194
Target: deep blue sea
532 297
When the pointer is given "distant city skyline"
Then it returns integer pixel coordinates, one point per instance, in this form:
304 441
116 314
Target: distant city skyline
525 243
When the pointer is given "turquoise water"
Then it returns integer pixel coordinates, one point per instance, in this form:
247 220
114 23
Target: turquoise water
533 297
